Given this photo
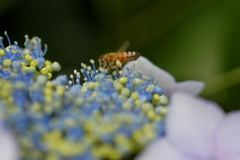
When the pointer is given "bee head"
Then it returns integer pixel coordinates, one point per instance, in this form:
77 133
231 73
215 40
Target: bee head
102 62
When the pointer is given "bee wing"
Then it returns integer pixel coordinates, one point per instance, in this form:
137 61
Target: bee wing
124 46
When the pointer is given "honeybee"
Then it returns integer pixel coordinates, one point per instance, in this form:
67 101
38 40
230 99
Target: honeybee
115 60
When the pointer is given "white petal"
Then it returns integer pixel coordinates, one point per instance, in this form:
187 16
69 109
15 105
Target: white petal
147 68
227 139
191 122
161 150
8 145
192 87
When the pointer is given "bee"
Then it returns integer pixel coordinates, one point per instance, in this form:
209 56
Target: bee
115 60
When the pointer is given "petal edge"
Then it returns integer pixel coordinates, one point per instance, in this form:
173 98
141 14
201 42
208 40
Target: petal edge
192 87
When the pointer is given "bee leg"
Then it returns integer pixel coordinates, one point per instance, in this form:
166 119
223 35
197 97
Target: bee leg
108 69
118 71
118 64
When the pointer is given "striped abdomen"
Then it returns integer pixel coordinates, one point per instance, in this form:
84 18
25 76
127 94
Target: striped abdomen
128 56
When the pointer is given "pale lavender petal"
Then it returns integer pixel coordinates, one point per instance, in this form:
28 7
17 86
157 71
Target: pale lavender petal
227 138
147 68
190 124
8 145
161 150
192 87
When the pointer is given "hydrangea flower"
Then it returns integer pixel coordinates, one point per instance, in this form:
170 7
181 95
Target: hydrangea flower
103 117
197 129
164 79
91 115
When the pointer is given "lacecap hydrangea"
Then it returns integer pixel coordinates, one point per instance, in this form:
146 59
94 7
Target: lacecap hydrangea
91 115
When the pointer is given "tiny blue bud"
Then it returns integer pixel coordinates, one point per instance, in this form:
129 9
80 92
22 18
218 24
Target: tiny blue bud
158 90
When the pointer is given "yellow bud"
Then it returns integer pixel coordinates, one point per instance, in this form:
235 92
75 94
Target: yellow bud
127 105
60 89
48 109
49 84
37 154
118 86
47 62
48 91
52 156
52 136
137 102
69 122
137 135
164 110
79 101
7 63
155 99
2 53
163 100
123 80
5 93
49 75
109 79
134 95
23 64
34 63
137 81
150 87
106 151
151 115
26 69
36 107
49 68
158 118
89 126
146 127
147 107
120 138
149 135
7 48
84 89
96 84
28 58
125 92
32 69
44 71
25 142
90 85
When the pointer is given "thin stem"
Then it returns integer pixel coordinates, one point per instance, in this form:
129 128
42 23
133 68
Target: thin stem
222 82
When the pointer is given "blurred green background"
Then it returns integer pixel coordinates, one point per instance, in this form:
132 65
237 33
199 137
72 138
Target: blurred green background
196 40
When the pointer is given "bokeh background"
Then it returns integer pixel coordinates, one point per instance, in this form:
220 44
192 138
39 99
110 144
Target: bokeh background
198 40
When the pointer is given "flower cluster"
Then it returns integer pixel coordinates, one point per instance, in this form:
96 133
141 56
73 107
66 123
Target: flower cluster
105 117
29 60
91 115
